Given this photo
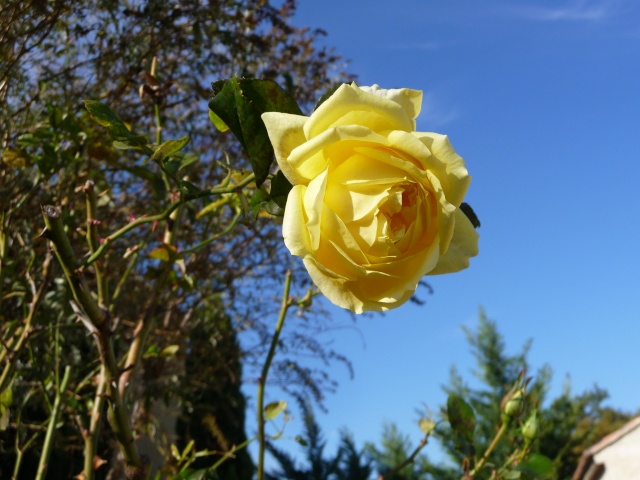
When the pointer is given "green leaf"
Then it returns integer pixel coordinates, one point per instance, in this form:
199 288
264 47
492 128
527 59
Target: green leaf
217 122
126 145
325 96
169 148
273 409
188 188
274 209
258 201
463 423
5 416
169 351
223 104
6 397
301 441
461 416
239 103
202 474
102 114
512 475
280 188
268 96
426 425
178 162
536 464
152 352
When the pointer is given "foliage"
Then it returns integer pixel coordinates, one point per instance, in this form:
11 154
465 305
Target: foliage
165 257
394 448
566 427
347 464
544 444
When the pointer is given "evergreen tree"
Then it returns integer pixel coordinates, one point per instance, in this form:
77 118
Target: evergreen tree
568 425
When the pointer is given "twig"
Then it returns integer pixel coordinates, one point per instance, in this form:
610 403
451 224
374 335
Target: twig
94 242
5 378
53 420
409 460
164 215
286 303
490 448
99 322
91 437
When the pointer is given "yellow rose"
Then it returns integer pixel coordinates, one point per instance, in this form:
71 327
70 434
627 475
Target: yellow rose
375 204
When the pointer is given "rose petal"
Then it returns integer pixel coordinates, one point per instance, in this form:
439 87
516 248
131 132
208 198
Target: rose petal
463 246
350 105
410 100
294 230
447 165
286 133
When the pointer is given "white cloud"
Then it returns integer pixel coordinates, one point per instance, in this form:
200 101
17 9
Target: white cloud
576 10
434 115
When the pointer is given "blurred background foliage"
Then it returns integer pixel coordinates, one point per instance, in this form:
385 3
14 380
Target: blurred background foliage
193 305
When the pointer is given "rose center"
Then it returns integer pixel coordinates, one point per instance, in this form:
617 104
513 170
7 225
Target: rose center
397 213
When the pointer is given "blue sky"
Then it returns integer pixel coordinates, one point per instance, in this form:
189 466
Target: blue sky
542 99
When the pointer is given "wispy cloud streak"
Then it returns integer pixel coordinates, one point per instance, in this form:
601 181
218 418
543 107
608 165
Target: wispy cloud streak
576 11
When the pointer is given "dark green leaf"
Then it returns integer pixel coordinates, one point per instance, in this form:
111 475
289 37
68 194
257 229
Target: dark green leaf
102 113
223 104
126 145
257 143
536 464
239 103
461 416
202 474
117 129
280 188
258 201
471 215
189 188
274 209
463 423
168 148
178 162
267 96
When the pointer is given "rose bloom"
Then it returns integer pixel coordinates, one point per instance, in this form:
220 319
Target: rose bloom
375 205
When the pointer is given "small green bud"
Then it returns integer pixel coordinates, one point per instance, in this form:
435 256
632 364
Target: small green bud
514 406
530 427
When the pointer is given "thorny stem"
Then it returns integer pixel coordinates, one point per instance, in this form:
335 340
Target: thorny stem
164 215
215 237
91 437
230 453
94 242
286 303
53 420
97 321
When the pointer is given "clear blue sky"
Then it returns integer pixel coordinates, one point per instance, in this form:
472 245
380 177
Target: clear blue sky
542 99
